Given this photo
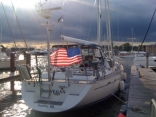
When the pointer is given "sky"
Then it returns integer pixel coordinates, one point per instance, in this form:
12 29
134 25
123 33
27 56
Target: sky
79 20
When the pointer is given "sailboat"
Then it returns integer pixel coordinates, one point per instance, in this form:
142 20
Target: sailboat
5 60
132 53
81 75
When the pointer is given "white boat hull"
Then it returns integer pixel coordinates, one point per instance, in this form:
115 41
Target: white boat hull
4 64
141 61
127 56
69 97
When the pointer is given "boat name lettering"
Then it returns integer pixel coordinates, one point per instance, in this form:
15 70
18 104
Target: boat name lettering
42 105
56 92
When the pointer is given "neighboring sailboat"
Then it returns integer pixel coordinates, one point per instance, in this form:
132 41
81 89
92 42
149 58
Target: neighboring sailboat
142 61
145 61
5 60
131 54
81 75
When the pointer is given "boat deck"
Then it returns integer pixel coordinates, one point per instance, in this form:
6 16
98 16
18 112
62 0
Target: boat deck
142 90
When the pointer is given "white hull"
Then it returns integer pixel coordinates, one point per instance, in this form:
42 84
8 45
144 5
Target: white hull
4 64
141 61
132 55
79 93
127 56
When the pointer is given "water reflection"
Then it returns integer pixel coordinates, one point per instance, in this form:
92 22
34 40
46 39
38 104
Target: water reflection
12 105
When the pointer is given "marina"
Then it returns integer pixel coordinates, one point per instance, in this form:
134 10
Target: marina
77 71
104 108
141 92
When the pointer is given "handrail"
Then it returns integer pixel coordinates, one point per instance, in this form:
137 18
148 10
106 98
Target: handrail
153 108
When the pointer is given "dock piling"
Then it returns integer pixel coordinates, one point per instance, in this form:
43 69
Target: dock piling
12 62
12 86
28 59
147 59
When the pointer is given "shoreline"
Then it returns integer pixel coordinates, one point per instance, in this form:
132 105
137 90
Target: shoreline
43 45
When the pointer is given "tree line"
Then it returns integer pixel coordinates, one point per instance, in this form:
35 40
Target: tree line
13 49
126 47
123 47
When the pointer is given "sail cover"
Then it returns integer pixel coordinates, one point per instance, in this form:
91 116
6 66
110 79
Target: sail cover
78 41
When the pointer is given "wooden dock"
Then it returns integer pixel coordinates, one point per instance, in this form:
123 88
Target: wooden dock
9 76
142 90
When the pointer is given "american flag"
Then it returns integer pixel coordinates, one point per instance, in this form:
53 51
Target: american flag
65 57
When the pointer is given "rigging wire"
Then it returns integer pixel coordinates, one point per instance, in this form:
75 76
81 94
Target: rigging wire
91 22
148 29
85 17
80 23
61 18
19 26
9 26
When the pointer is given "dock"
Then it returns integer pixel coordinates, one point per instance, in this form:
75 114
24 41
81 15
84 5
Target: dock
142 91
9 76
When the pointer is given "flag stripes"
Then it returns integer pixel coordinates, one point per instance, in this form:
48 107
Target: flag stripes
60 58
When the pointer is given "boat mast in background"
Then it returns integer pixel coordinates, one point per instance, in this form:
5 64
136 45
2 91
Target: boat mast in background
46 13
132 39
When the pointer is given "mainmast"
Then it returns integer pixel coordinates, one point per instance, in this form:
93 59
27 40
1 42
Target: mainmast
46 13
1 33
108 25
99 23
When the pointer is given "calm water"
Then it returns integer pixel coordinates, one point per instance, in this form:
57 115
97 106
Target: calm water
12 105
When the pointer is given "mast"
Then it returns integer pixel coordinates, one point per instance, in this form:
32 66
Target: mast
108 25
46 13
99 23
1 34
1 39
132 39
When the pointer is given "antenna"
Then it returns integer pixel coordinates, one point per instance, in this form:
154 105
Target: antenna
46 13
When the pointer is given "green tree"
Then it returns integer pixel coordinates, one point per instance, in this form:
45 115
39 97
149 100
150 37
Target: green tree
116 47
3 48
135 48
125 47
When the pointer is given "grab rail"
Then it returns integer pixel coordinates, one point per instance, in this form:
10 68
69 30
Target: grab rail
153 108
